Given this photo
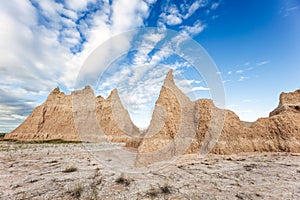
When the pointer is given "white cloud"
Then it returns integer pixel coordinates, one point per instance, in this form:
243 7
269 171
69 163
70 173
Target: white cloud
197 28
172 16
128 15
192 9
242 78
44 44
215 5
78 5
239 71
35 53
263 63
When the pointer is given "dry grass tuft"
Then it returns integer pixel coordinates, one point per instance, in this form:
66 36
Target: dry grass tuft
70 169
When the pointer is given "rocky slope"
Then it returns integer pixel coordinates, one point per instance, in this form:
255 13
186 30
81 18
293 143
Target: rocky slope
178 125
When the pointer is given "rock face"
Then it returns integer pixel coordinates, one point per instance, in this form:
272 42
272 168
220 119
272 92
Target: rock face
77 117
51 120
172 128
279 132
178 124
288 102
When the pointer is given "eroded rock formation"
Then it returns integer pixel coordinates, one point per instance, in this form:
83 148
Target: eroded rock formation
77 117
178 124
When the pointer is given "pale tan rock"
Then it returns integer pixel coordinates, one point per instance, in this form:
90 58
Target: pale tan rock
77 117
178 124
288 102
51 120
279 132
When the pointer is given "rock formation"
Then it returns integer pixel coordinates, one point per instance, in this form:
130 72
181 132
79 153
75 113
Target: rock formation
288 102
279 132
51 120
77 117
173 125
178 124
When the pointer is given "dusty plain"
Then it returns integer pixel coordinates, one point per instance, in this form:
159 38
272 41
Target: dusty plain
69 171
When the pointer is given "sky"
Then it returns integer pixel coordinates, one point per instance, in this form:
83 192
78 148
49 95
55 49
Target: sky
253 44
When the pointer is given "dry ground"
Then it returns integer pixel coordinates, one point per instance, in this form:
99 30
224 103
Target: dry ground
68 171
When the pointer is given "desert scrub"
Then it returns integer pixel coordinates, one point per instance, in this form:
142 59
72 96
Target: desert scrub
76 190
122 179
165 188
94 195
152 192
70 169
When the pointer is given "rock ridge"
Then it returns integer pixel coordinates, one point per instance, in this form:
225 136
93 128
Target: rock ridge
178 125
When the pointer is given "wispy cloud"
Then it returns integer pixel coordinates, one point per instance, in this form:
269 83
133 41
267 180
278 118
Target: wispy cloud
44 44
243 78
263 63
197 28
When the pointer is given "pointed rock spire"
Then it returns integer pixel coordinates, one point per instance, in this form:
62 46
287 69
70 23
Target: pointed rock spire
114 94
169 78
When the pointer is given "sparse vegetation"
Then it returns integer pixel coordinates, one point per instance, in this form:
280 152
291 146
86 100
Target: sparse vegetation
2 136
70 169
123 180
93 195
97 179
76 191
165 189
56 141
153 192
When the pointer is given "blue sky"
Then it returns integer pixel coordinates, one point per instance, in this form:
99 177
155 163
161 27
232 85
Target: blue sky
255 45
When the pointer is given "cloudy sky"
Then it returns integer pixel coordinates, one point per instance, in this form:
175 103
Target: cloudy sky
44 43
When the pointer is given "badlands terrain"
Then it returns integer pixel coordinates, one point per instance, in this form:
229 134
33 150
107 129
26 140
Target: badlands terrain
69 171
57 152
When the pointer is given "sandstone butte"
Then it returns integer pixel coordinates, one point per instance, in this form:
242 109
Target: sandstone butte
178 124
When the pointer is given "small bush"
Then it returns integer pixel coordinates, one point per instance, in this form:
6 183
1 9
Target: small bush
153 192
165 189
123 180
76 190
70 169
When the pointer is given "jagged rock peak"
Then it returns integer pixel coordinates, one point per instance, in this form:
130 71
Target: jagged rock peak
114 94
169 78
55 90
288 102
87 87
290 97
55 93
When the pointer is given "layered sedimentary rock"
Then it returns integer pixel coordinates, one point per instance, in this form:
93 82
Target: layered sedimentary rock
115 121
279 132
51 120
173 125
178 124
77 117
288 102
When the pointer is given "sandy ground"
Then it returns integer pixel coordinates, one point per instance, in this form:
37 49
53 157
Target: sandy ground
68 171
